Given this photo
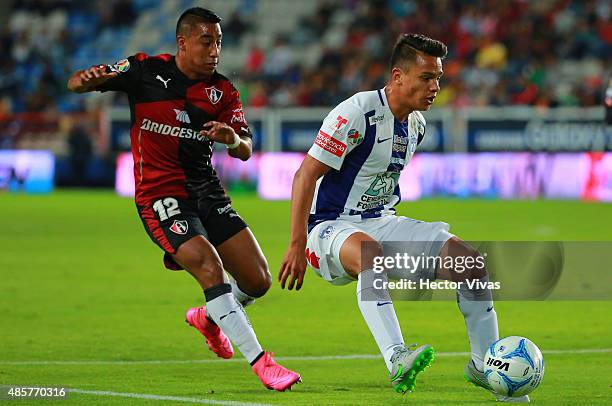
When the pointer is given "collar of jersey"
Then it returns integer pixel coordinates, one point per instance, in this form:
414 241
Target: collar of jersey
385 104
383 95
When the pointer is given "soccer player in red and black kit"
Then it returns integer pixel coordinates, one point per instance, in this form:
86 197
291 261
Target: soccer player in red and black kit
179 107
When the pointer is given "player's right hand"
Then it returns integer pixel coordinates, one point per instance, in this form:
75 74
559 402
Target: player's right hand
95 76
293 265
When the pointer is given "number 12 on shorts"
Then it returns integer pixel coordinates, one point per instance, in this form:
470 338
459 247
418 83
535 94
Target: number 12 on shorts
166 208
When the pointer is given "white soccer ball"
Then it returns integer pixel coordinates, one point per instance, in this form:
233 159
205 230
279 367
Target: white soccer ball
514 366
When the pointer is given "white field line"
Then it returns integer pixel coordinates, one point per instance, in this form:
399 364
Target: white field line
298 358
159 397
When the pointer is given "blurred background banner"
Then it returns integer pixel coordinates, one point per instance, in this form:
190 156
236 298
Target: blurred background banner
520 129
26 171
507 175
520 77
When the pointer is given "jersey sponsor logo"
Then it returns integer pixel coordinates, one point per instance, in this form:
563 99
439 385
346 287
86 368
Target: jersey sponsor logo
398 139
214 94
400 143
164 81
312 258
165 129
121 66
237 116
341 122
377 119
379 201
179 227
224 209
399 148
182 116
384 183
330 144
380 191
381 140
354 137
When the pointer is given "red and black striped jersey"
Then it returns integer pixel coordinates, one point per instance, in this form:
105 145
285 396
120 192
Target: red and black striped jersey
168 111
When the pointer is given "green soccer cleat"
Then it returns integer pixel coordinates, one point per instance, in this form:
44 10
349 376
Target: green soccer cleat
474 376
407 364
477 378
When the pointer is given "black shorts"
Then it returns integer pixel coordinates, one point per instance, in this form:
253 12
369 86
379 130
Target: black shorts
170 222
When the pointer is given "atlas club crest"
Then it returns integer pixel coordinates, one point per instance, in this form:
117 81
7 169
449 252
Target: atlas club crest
214 94
179 227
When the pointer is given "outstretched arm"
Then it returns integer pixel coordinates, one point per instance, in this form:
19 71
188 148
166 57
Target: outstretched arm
304 182
86 80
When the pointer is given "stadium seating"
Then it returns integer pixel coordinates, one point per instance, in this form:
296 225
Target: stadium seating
489 63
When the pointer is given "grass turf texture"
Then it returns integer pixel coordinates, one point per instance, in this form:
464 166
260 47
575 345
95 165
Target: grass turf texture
82 281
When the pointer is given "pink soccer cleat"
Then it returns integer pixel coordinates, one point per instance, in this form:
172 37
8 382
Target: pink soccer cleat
216 340
273 375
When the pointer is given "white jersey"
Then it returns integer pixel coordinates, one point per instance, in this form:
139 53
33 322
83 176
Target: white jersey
367 149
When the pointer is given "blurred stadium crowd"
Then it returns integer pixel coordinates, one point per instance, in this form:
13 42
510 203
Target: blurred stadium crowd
507 52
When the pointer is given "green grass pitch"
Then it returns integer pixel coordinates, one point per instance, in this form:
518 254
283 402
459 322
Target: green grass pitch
85 303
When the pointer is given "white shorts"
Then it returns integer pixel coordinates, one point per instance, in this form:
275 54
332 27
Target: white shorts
326 239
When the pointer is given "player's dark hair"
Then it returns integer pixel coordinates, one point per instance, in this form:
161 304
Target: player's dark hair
193 16
407 46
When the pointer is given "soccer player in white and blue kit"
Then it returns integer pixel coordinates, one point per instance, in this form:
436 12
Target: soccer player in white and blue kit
344 196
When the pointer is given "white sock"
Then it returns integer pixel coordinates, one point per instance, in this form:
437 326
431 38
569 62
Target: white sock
229 315
242 298
379 315
481 324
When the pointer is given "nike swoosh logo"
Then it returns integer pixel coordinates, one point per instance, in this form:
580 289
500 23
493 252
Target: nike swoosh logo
383 303
380 141
225 315
489 308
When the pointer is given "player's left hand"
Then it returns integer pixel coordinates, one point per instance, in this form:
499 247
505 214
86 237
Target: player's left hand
219 132
294 265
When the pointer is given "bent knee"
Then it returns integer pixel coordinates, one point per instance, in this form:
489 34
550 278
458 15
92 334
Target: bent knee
262 283
371 255
259 283
474 265
199 257
468 261
200 264
207 269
